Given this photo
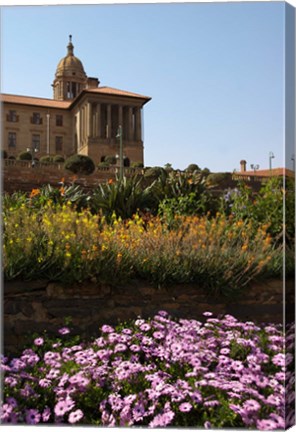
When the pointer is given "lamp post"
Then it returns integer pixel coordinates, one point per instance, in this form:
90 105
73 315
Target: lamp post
271 156
32 150
293 161
119 136
254 167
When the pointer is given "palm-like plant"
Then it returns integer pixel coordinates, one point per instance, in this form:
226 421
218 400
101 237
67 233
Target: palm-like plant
124 197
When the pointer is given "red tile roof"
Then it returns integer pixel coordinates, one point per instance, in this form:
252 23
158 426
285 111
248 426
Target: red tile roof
116 92
34 101
268 173
52 103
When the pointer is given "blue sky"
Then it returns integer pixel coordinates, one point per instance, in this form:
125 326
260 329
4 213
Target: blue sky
215 71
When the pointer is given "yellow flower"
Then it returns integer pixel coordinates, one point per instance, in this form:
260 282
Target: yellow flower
68 255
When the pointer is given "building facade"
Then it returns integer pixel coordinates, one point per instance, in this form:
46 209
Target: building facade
83 117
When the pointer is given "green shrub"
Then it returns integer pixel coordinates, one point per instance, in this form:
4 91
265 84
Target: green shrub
137 165
265 207
46 159
80 164
58 159
111 160
103 164
123 198
155 172
205 171
192 168
25 155
219 179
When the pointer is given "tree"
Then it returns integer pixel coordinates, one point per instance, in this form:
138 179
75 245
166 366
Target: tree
192 168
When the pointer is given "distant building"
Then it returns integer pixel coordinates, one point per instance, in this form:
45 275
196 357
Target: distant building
260 173
81 118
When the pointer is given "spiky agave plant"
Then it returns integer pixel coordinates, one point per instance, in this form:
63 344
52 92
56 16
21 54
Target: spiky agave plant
124 197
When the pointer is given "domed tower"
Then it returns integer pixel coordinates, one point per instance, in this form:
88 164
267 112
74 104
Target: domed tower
70 77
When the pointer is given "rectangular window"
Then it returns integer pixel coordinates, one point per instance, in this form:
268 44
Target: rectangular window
59 144
12 117
35 142
36 118
59 120
11 139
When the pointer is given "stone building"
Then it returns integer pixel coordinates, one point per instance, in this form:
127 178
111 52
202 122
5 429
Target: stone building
83 117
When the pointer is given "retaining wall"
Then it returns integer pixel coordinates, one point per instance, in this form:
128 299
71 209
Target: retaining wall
41 305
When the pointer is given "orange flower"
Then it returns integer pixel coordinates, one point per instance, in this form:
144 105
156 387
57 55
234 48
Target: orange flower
62 190
110 181
34 192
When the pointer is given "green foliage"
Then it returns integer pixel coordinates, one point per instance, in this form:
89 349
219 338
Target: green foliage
110 160
137 164
123 198
219 179
183 193
103 164
265 207
80 164
190 204
44 238
25 156
168 167
58 159
192 168
46 159
155 172
205 171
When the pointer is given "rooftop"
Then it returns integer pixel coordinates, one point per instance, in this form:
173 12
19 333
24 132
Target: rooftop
34 101
267 173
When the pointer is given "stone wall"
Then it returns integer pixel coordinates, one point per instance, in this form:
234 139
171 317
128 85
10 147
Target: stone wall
41 305
20 176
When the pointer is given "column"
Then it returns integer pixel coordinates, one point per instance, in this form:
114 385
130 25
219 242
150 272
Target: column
98 121
120 123
109 125
89 120
81 125
138 124
130 124
78 124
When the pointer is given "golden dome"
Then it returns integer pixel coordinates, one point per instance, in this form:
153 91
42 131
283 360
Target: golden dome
70 66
